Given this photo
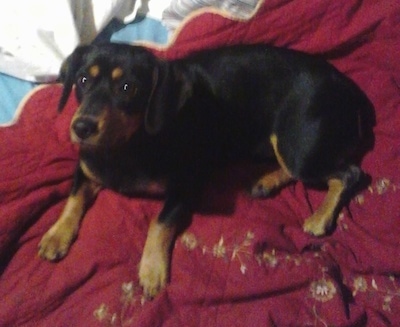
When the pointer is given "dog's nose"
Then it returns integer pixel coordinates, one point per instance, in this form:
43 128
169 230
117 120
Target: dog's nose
84 128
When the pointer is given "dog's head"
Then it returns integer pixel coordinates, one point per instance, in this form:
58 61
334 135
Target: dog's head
120 89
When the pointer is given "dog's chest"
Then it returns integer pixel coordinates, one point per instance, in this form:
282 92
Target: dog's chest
123 174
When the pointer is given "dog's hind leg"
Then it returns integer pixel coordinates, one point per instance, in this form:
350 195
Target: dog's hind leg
275 179
322 219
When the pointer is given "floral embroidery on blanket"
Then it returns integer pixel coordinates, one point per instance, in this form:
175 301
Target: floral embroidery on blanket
131 296
323 287
222 250
387 290
379 187
322 290
244 252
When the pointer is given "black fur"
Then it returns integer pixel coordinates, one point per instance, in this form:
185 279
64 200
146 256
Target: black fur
222 105
209 109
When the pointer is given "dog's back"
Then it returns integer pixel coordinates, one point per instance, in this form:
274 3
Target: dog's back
253 91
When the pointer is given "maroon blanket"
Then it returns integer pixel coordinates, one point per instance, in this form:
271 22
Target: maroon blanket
242 262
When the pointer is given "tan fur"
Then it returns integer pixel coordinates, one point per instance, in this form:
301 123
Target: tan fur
274 142
154 265
58 239
117 73
94 71
322 219
113 127
272 181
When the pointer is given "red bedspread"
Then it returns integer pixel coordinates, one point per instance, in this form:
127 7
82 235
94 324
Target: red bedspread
242 262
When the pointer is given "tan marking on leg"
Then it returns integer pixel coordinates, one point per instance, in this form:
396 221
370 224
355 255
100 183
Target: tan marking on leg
88 173
58 239
270 182
322 219
281 162
126 127
94 71
154 265
117 73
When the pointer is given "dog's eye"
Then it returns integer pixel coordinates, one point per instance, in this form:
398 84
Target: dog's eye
82 80
128 88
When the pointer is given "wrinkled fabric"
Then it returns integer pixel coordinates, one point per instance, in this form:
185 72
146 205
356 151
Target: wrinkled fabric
242 261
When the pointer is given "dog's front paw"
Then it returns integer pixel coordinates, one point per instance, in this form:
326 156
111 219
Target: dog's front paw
56 242
153 274
154 265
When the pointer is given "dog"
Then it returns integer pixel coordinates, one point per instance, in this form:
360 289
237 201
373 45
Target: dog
145 124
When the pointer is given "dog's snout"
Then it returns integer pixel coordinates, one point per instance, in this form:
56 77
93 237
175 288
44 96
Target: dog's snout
84 128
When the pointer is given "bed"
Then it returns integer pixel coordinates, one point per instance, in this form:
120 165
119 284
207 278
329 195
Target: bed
242 261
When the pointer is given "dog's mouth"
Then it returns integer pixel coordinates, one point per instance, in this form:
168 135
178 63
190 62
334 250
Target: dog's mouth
85 132
91 131
90 143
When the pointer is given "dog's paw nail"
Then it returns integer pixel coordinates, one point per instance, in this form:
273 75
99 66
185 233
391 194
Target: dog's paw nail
151 288
260 191
51 254
152 278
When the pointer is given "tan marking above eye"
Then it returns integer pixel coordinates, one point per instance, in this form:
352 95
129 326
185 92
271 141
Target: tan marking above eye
94 71
117 73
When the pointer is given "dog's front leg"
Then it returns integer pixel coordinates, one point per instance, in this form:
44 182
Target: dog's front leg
155 262
58 239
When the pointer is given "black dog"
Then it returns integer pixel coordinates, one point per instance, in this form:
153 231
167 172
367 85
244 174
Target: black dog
145 123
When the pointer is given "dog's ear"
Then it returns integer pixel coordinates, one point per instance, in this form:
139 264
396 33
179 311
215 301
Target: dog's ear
68 72
171 89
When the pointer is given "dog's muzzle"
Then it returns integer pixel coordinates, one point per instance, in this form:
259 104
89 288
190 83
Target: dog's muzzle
84 128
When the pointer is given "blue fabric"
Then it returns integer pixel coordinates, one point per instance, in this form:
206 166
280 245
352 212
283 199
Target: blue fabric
142 29
12 90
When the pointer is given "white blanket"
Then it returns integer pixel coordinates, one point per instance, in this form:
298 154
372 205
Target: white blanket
37 35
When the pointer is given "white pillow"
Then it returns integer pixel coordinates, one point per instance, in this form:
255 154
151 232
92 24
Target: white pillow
179 9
